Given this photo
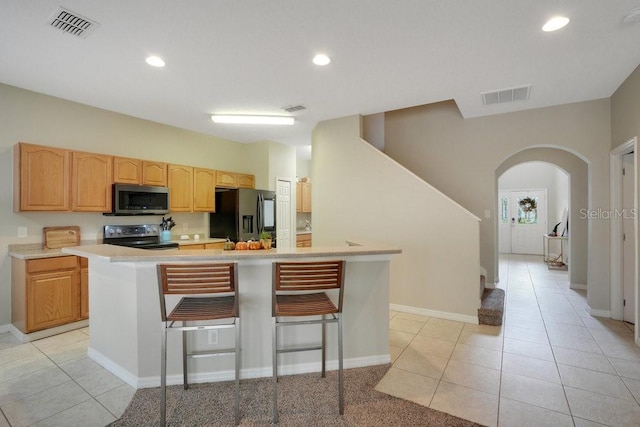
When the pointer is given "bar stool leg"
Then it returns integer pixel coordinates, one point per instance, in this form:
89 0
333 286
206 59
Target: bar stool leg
340 382
184 357
324 348
163 377
274 378
237 354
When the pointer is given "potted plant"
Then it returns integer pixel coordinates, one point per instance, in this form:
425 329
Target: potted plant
265 239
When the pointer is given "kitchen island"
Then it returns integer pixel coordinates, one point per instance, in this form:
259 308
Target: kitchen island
125 326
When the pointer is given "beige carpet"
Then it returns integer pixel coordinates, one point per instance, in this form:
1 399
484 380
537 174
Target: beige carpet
304 400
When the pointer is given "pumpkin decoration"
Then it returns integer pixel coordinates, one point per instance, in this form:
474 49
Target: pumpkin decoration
253 245
228 245
242 246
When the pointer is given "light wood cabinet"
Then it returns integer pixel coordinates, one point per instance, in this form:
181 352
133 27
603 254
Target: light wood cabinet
204 188
191 247
42 178
126 170
154 173
91 182
303 240
202 246
45 292
180 188
245 180
84 288
226 179
303 197
214 245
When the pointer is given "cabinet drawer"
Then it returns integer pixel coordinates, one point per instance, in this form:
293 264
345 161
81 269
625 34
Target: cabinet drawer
51 264
214 245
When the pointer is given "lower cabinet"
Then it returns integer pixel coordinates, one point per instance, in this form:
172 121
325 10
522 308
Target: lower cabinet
203 246
47 292
84 288
303 240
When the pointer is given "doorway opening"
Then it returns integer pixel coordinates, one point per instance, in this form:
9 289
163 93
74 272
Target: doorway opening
533 201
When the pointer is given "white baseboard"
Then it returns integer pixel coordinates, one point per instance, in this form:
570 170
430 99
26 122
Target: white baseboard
38 335
5 328
434 313
228 375
600 313
578 286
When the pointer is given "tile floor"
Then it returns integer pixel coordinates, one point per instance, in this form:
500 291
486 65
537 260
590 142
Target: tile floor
550 364
51 382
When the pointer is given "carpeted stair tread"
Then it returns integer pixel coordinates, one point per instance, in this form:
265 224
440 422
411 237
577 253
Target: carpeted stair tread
492 307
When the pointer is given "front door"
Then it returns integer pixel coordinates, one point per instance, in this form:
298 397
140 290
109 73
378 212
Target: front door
528 221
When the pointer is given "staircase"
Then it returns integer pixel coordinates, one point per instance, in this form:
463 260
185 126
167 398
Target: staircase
492 305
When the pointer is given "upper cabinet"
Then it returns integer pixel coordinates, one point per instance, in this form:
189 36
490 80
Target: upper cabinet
154 173
127 171
180 188
56 179
204 188
234 180
303 197
41 178
91 182
136 171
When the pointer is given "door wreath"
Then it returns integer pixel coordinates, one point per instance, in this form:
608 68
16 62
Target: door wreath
528 204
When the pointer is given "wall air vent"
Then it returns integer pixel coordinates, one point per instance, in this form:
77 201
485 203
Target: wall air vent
294 108
72 23
506 95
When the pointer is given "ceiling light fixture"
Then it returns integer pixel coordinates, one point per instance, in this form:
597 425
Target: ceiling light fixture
155 61
321 59
555 23
252 120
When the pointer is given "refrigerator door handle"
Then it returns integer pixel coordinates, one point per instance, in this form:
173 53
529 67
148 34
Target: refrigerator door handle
259 213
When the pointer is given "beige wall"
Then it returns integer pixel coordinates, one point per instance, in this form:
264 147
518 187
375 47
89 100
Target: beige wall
360 193
625 110
460 157
35 118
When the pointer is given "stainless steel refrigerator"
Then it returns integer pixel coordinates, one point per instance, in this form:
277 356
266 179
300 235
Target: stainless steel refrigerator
242 214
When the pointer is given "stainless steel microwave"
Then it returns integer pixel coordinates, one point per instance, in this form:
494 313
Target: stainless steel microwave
139 200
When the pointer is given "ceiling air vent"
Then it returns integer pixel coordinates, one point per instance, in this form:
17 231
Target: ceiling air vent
294 108
72 23
506 95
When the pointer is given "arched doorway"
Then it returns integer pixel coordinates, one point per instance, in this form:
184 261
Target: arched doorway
578 171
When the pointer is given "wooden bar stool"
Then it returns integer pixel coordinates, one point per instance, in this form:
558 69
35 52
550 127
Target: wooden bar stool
298 295
211 294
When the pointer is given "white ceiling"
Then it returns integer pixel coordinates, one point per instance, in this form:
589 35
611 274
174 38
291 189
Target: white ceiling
254 56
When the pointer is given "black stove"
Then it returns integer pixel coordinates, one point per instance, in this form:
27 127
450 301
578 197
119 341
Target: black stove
143 236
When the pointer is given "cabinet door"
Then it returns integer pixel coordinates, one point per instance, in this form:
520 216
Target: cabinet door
245 180
298 197
204 187
52 299
306 197
84 289
91 182
127 171
154 173
180 188
226 179
42 180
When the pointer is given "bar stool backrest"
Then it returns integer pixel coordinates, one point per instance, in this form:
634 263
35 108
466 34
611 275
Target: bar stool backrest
196 279
308 276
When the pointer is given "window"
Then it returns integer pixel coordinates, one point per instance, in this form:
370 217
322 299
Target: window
527 210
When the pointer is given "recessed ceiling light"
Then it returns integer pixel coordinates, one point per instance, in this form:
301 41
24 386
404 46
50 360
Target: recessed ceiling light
252 120
155 61
555 23
321 59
